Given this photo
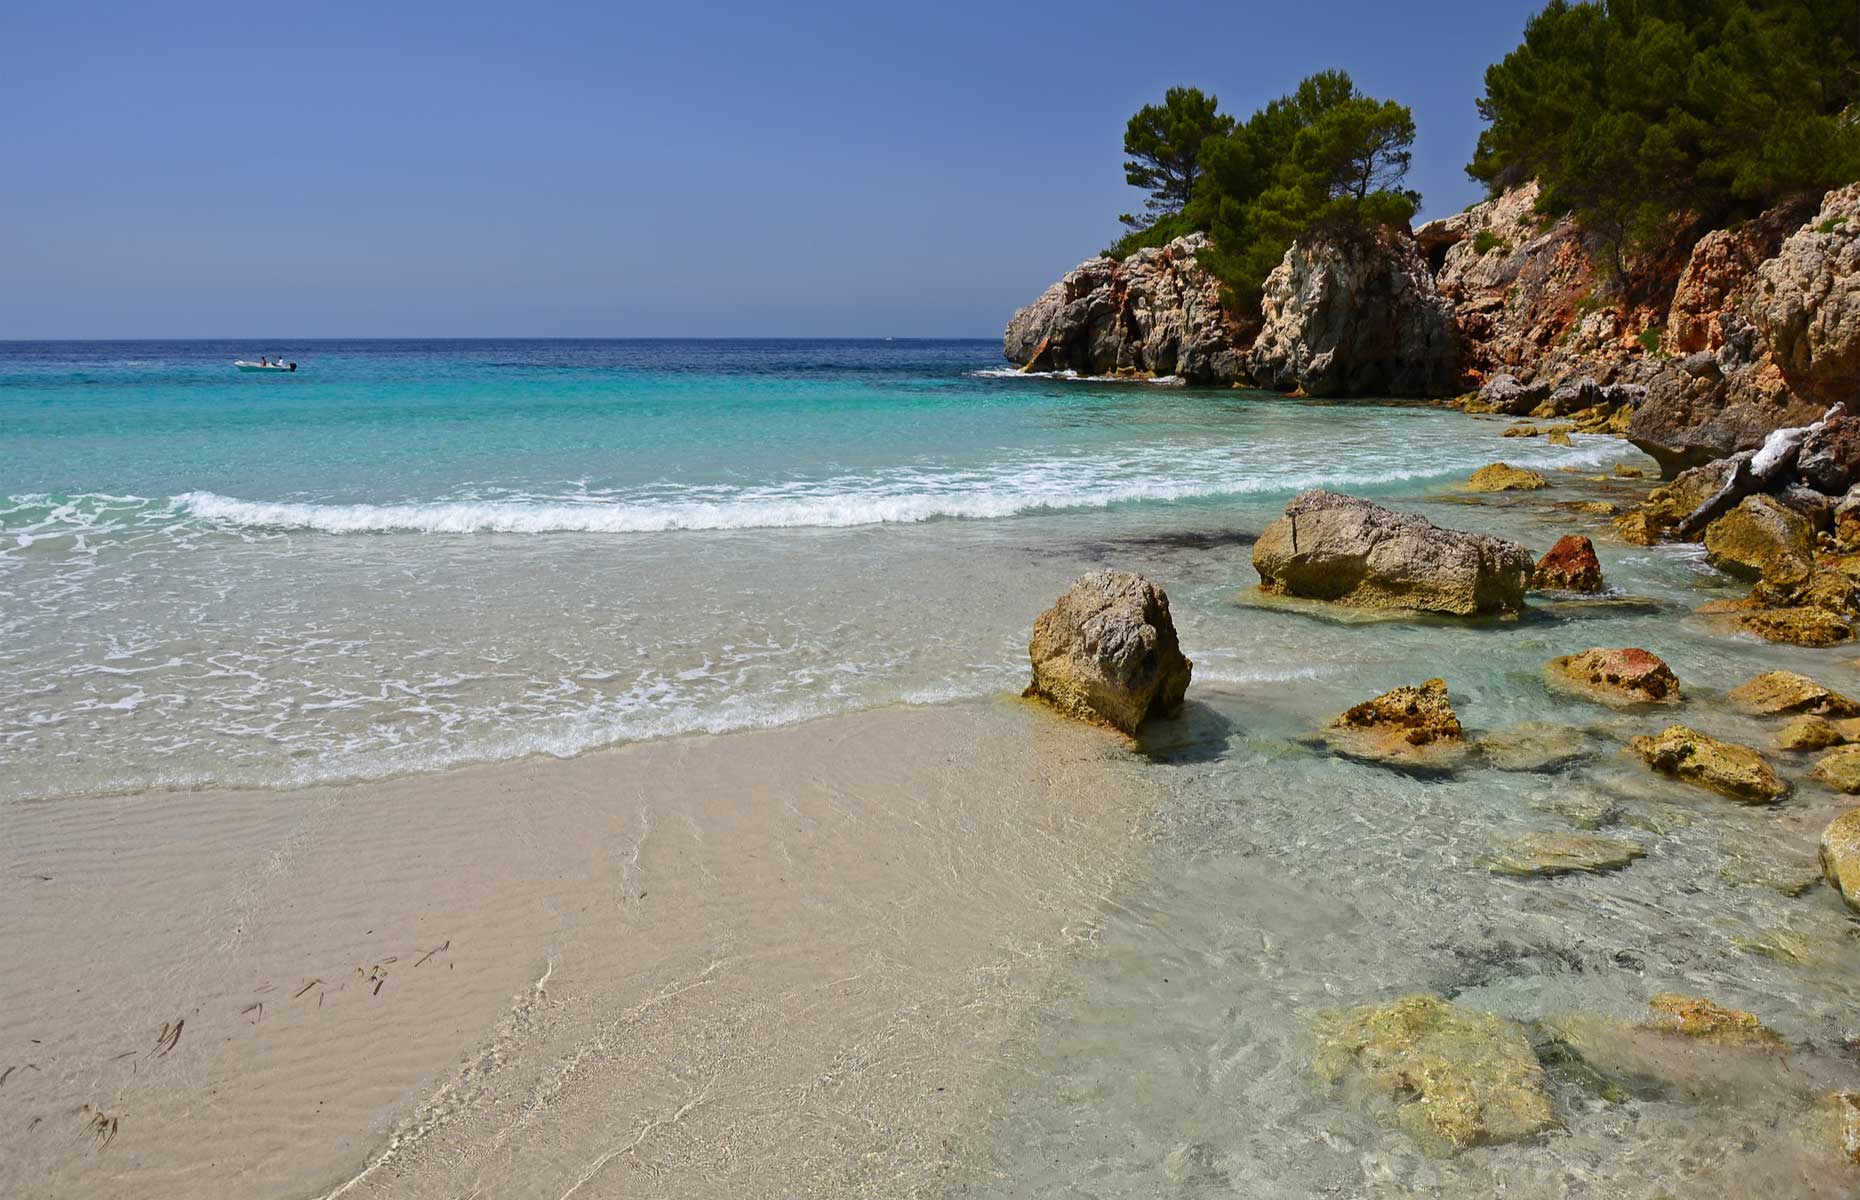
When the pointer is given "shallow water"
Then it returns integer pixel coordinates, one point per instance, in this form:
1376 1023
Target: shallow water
410 556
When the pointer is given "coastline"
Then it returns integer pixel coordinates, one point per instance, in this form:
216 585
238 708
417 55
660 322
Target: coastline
771 962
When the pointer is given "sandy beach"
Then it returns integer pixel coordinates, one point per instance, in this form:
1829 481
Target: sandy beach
763 964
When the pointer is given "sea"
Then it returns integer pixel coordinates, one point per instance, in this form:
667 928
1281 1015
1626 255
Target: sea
413 555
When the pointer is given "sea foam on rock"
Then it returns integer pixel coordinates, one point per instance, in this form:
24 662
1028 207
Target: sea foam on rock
1330 546
1106 651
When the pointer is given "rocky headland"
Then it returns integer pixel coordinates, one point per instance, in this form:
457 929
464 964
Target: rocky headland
1727 335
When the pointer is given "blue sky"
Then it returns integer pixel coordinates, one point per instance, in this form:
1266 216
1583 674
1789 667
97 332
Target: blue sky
411 169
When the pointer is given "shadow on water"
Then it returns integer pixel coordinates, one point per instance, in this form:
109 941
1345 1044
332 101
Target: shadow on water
1200 734
1146 545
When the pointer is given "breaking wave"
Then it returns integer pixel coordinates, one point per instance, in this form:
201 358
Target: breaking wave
898 496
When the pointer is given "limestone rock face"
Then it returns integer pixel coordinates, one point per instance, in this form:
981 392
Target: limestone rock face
1570 566
1725 767
1158 312
1779 346
1789 692
1412 727
1522 289
1625 676
1107 651
1760 537
1355 316
1334 547
1720 273
1457 1077
1707 406
1840 856
1807 303
1503 477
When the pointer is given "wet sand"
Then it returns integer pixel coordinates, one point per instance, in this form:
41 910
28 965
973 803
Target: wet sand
772 963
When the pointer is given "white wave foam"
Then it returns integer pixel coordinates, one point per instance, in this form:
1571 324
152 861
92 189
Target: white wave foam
1074 377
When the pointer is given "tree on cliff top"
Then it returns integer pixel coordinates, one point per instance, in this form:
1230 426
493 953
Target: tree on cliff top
1323 157
1165 142
1635 113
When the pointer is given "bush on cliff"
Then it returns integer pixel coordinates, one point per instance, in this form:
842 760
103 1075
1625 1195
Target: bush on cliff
1324 156
1635 113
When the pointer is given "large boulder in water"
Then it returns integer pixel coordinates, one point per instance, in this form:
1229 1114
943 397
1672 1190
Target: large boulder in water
1334 547
1107 652
1157 312
1355 315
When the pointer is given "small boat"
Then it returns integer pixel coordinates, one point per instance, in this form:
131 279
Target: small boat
252 366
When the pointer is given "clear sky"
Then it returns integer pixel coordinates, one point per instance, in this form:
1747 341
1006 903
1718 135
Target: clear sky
628 169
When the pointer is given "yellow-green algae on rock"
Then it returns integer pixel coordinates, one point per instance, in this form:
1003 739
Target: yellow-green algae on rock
1458 1077
1698 1018
1725 767
1503 477
1790 692
1407 726
1840 856
1840 769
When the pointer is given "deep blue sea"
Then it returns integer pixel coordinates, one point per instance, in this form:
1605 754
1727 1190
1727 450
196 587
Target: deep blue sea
408 554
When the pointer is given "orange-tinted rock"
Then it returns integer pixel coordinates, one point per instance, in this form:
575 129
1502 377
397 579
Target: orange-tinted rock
1698 1018
1626 676
1571 566
1409 726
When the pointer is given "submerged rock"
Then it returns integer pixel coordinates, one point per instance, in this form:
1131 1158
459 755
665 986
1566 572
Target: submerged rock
1570 566
1503 477
1626 676
1788 692
1458 1077
1840 769
1840 856
1700 1019
1533 746
1334 547
1846 1106
1412 727
1725 767
1107 651
1563 854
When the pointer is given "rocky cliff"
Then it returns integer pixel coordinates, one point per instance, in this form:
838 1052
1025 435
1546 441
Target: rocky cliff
1157 312
1726 337
1355 316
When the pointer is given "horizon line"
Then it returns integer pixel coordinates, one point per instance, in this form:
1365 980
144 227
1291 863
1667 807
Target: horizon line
748 337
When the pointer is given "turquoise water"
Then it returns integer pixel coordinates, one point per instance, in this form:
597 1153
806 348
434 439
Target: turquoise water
407 555
412 555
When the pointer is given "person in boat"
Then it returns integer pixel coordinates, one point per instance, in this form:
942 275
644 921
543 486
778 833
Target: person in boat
263 361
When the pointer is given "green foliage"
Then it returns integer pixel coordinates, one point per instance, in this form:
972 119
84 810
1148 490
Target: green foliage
1831 224
1164 142
1485 241
1632 113
1650 339
1325 157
